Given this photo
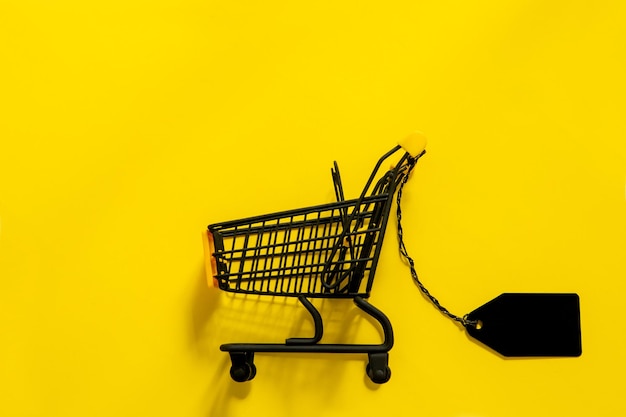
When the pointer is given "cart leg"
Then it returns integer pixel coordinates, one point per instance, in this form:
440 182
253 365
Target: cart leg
382 319
378 368
243 368
317 321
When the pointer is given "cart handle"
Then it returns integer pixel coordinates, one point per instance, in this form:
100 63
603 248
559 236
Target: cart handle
413 144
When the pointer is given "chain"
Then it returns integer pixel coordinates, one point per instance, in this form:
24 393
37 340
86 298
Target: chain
462 320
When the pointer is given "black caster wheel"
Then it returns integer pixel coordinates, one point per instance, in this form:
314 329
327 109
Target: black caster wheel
378 376
243 372
243 368
378 367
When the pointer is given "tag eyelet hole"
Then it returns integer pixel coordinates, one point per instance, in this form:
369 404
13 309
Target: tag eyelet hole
479 325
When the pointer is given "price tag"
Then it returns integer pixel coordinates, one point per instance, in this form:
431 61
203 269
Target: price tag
529 324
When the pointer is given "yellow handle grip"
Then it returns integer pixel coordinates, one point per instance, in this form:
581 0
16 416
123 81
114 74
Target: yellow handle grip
414 144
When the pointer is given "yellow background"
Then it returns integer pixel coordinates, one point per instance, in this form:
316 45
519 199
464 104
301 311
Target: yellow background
127 126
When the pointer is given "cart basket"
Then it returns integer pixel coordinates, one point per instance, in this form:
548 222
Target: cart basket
328 251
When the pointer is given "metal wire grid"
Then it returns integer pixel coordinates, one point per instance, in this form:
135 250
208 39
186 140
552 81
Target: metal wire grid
323 251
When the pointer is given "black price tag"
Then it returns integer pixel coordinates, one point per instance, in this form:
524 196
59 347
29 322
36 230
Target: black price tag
529 324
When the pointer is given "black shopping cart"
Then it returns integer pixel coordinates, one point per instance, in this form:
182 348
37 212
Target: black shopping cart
325 251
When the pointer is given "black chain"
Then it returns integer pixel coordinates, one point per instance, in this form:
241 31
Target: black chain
463 320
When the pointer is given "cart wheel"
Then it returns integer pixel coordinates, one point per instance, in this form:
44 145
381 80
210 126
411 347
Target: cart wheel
378 367
243 373
379 376
243 368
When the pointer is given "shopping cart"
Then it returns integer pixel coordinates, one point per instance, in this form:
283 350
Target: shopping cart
324 251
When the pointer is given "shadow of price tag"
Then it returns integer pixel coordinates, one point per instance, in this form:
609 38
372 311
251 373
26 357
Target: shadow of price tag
529 324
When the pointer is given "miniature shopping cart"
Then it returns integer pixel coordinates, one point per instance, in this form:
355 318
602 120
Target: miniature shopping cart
324 251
